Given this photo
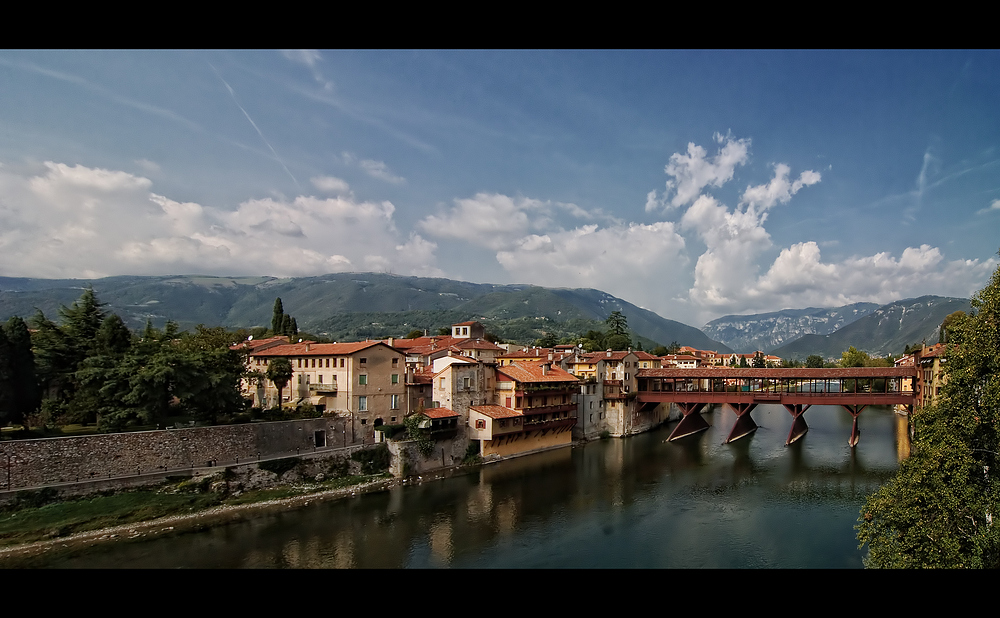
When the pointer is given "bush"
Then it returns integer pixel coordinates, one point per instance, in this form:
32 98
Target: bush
605 434
279 466
373 460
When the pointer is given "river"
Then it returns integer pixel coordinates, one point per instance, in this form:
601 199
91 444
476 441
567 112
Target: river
640 502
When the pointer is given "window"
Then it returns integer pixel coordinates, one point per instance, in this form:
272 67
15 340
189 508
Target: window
364 421
341 362
328 363
394 403
395 378
466 383
363 361
480 424
362 405
363 379
508 402
441 385
314 362
395 363
321 378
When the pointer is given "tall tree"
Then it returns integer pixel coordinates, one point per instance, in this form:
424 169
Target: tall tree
277 315
617 323
27 397
938 510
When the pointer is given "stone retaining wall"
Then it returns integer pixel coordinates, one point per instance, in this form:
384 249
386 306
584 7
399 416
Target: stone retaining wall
34 463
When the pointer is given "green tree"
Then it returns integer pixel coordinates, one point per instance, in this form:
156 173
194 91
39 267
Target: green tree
852 357
277 315
938 510
814 361
24 381
951 323
617 323
279 371
758 361
413 334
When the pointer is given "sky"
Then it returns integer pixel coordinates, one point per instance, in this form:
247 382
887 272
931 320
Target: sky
695 184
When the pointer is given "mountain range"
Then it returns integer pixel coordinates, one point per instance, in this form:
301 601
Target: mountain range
352 306
346 306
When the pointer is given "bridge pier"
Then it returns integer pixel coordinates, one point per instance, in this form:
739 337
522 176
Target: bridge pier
855 410
691 422
799 427
744 424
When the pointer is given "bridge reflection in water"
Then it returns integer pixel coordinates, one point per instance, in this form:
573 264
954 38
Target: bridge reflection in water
854 388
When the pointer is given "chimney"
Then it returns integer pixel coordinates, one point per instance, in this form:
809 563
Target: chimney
390 341
609 352
550 357
545 368
307 347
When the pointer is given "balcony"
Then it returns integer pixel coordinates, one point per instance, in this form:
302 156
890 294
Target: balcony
319 387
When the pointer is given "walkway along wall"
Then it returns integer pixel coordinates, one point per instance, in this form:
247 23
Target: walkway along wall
46 461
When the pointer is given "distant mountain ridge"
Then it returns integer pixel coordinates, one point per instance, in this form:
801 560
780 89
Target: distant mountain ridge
887 330
746 334
346 305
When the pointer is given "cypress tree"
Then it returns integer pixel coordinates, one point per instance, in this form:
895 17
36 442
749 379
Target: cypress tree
277 317
27 397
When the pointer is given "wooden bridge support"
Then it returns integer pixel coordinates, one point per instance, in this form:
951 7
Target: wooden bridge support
691 422
799 427
744 424
855 410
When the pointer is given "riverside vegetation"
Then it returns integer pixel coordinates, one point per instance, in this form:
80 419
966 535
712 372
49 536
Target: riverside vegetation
940 509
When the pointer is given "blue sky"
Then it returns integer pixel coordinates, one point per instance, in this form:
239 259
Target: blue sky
692 183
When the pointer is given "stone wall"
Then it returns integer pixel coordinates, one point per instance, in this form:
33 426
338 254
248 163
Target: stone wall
406 458
47 461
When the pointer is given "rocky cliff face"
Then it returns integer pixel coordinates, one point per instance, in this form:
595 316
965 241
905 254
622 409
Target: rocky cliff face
767 331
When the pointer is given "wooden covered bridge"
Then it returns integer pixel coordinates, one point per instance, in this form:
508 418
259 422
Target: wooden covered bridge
742 390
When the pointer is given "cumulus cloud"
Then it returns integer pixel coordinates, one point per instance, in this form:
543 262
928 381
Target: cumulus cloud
642 263
74 221
694 171
779 190
799 278
496 221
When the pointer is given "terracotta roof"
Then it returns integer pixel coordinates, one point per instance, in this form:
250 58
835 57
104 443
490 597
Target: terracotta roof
254 344
641 355
493 411
531 371
439 413
478 344
318 349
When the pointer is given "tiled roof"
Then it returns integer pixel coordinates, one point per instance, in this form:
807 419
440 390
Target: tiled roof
802 373
470 323
318 349
493 411
531 371
439 413
478 344
254 344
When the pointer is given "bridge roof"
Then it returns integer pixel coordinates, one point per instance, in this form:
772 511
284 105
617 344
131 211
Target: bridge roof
778 374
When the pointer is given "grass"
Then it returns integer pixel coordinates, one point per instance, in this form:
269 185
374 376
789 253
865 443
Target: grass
64 518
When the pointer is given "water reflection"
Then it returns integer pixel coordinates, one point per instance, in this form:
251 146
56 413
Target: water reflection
640 502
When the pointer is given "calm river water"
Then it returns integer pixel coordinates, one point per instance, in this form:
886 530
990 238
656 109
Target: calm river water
638 502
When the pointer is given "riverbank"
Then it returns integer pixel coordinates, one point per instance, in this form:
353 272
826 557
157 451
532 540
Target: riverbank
196 520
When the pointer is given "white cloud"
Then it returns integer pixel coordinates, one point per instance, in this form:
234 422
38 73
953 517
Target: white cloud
310 58
496 221
378 169
779 190
644 264
993 207
692 172
799 278
83 222
330 184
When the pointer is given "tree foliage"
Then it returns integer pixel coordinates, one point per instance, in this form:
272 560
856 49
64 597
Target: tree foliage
279 371
939 509
617 323
814 361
